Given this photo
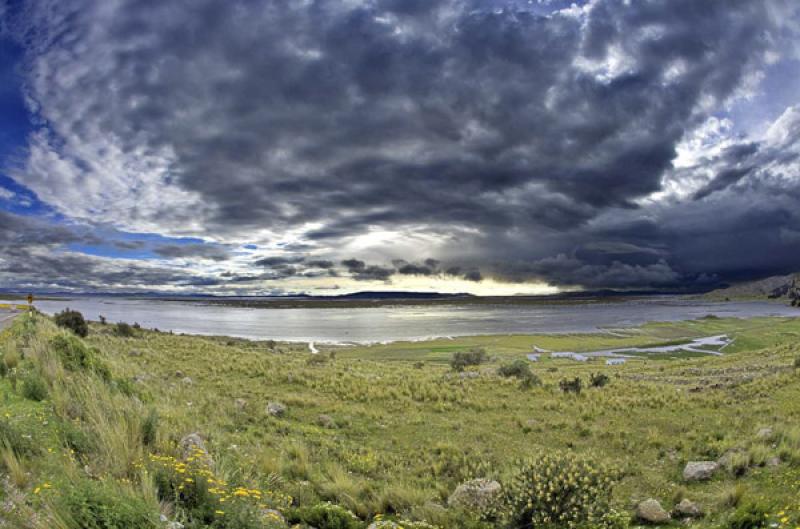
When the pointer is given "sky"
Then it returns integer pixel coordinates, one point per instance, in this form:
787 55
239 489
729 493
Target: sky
316 146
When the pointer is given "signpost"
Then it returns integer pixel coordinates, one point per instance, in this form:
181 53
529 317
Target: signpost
30 305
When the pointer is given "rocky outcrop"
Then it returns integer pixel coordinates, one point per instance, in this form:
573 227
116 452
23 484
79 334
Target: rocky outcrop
193 446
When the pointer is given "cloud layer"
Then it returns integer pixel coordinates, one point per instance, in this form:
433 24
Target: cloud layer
578 146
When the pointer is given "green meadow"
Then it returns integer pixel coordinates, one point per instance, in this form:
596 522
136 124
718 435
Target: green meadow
95 431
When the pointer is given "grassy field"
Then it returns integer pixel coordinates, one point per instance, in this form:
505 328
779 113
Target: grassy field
92 428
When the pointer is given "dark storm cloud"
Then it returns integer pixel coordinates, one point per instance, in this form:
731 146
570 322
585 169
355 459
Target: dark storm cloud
278 261
527 139
200 251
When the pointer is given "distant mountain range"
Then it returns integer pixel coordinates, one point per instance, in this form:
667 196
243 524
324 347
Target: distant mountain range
776 287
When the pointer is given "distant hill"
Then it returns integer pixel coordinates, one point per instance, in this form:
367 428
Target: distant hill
776 287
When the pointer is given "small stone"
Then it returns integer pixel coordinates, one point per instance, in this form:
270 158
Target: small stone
134 353
774 461
179 374
174 525
764 433
276 409
240 404
688 509
272 517
187 380
326 421
651 511
700 470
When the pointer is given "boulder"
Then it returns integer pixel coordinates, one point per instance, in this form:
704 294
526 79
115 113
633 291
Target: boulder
475 495
699 470
651 511
688 509
276 409
193 445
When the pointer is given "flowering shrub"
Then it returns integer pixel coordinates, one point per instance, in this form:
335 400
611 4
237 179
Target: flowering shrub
380 523
560 491
209 501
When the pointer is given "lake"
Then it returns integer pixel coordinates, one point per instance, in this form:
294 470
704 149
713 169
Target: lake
393 323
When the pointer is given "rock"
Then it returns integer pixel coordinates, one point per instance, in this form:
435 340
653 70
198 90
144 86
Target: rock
179 374
187 380
651 511
326 421
174 525
475 495
272 517
193 445
139 379
134 353
699 470
240 404
689 509
383 524
773 461
468 374
764 433
276 409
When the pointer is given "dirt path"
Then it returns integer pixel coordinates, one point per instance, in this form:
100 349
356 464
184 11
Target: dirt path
6 317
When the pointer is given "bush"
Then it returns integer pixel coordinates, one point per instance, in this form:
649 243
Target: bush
598 380
75 355
34 387
100 505
797 362
521 370
123 330
473 357
571 386
14 440
150 428
749 515
72 320
557 491
326 516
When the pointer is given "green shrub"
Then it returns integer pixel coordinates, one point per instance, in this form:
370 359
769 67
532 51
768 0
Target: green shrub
473 357
571 385
18 443
101 505
558 491
76 439
326 516
34 387
598 380
123 330
150 428
750 515
521 370
72 320
75 355
797 362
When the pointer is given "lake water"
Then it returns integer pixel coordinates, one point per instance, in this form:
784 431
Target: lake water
382 324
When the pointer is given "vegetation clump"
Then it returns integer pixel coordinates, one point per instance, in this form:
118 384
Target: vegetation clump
124 330
573 385
463 359
598 380
326 516
72 320
521 370
558 491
